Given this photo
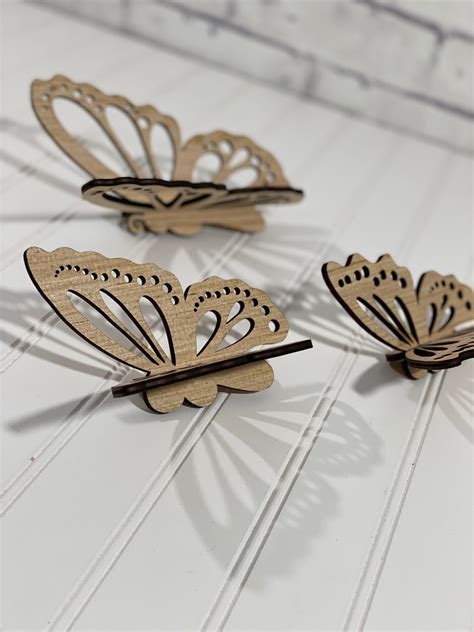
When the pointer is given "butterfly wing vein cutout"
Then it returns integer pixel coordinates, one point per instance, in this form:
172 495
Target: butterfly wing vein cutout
140 315
193 195
420 324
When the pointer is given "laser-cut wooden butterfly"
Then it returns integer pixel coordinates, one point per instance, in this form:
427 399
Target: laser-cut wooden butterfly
423 325
132 299
149 202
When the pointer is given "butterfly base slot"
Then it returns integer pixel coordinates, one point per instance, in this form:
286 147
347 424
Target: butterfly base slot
155 381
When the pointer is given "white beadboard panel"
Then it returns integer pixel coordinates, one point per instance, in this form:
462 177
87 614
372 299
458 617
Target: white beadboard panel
267 239
264 243
345 558
186 257
215 510
425 585
289 509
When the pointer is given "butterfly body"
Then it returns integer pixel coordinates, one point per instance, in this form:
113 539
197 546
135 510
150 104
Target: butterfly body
129 311
193 196
420 324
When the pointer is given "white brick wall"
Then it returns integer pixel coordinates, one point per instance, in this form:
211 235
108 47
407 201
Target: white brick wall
405 63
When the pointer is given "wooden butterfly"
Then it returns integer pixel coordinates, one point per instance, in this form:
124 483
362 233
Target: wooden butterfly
184 203
103 299
426 326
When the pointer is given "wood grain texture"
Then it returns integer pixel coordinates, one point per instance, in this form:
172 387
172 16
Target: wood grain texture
149 201
119 291
115 493
420 323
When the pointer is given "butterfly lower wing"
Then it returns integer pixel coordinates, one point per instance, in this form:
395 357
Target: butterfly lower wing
233 303
447 303
443 353
235 154
380 297
112 290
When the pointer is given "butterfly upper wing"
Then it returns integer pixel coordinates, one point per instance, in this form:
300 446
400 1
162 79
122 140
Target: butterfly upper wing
443 353
64 274
380 297
96 104
232 302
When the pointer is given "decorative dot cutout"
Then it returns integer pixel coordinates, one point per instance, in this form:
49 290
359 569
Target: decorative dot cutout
274 326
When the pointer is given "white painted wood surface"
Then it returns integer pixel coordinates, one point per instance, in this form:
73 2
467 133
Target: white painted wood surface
341 498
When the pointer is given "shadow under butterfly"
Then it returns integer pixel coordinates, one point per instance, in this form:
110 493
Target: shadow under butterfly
184 203
225 481
140 315
430 327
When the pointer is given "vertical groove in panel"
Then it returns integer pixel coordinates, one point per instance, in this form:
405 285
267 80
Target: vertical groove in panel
373 565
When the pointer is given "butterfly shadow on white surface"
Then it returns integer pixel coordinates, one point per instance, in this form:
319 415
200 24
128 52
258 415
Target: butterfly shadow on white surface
224 483
23 318
456 400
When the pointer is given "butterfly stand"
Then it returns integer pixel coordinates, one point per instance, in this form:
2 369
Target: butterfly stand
193 196
429 327
147 383
103 299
